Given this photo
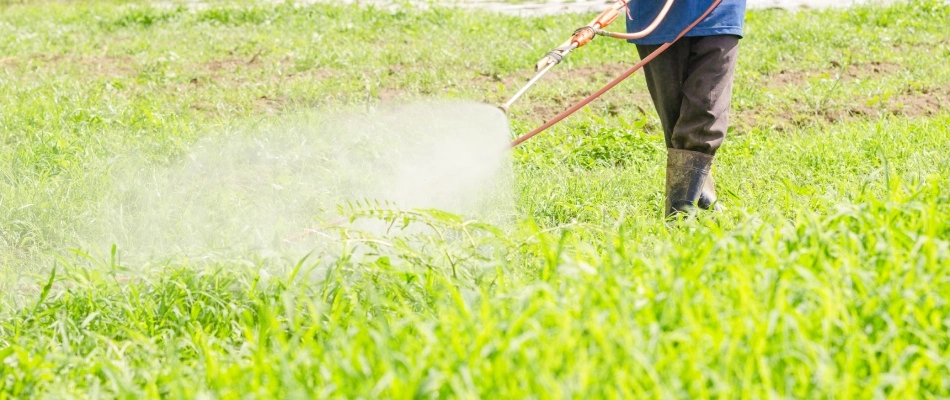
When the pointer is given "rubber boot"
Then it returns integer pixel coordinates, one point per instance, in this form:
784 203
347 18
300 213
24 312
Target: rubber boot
689 182
708 198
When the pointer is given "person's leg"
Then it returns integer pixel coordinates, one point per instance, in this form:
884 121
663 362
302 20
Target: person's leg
691 88
702 124
707 94
665 76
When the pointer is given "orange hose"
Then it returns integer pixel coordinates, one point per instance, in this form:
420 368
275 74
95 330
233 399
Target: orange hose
650 28
614 82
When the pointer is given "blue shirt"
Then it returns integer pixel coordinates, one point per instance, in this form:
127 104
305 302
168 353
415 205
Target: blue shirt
726 19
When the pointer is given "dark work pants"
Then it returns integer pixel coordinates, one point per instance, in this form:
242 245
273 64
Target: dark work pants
691 87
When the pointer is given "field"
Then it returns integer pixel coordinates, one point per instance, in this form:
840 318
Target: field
827 276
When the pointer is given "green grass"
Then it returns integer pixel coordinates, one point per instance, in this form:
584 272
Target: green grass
826 277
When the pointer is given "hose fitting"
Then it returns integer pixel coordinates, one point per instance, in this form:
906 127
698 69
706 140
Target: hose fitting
582 36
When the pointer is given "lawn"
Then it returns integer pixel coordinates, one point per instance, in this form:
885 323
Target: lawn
827 276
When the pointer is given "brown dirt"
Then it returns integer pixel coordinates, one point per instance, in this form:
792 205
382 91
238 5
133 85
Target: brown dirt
233 64
228 71
99 65
390 95
925 102
849 73
228 64
907 103
270 105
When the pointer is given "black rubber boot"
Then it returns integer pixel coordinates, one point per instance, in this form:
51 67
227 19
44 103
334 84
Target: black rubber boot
689 182
708 199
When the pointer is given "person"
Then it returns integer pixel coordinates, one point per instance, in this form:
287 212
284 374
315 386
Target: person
690 85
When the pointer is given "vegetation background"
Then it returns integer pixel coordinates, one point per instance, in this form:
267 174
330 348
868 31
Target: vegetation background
826 277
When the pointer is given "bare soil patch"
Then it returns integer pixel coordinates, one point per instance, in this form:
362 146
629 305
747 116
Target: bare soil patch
390 95
846 73
224 65
97 65
270 104
233 70
908 103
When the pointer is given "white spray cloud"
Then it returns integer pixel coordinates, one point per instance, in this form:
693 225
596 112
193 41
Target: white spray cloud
254 190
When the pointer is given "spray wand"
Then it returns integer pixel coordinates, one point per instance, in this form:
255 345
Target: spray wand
583 36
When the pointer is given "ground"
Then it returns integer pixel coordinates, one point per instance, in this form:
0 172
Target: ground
826 277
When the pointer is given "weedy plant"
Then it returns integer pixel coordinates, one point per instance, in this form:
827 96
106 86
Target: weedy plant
846 304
